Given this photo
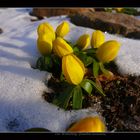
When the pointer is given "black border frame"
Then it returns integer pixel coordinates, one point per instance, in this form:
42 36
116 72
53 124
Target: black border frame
67 4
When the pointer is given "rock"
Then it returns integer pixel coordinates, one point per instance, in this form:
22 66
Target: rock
1 31
41 12
116 23
99 9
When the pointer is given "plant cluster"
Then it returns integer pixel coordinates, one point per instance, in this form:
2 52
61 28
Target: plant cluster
76 65
129 11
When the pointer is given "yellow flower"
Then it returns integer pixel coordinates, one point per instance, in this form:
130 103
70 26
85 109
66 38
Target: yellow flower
108 51
73 69
61 47
97 39
88 124
44 45
62 29
119 9
83 41
46 28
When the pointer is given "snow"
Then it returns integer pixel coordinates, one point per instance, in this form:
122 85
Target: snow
21 86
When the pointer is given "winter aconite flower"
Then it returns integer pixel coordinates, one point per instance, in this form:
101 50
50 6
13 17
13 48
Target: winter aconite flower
83 41
97 39
62 29
44 45
119 9
88 124
73 69
61 47
46 36
47 29
108 51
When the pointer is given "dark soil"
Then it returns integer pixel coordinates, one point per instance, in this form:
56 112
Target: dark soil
121 105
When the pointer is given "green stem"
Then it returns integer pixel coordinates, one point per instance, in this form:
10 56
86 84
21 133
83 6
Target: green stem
105 71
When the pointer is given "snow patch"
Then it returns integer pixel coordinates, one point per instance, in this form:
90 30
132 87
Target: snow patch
21 87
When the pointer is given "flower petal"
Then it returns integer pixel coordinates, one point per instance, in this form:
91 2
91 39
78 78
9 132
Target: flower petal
44 45
88 124
97 39
83 41
73 69
62 29
46 28
61 47
108 51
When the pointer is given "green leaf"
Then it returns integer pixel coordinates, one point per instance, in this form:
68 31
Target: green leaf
56 60
40 63
96 86
37 130
90 51
63 99
86 86
130 11
44 63
95 68
48 64
56 70
76 49
87 60
62 78
108 9
97 81
77 97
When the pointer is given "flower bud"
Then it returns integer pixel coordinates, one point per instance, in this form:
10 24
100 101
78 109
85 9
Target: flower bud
119 9
73 69
83 41
46 28
88 124
44 45
108 51
97 39
61 47
62 29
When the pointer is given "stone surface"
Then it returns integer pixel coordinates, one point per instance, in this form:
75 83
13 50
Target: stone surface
117 23
1 31
41 12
